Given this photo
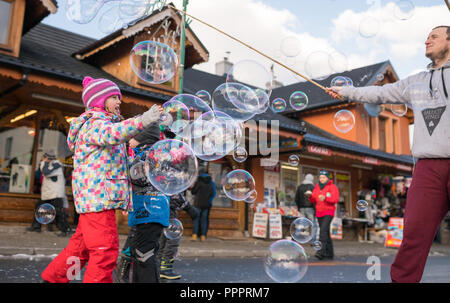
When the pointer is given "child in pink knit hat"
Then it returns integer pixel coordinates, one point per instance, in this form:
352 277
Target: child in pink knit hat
97 91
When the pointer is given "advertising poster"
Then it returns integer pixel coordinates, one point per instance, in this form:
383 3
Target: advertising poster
19 181
260 225
275 228
395 232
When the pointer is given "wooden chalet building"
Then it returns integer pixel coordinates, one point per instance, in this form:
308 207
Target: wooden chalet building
41 70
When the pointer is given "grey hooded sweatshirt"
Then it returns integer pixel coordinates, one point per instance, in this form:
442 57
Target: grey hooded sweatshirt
431 123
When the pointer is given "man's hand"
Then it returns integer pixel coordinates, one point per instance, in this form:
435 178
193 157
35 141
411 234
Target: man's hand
334 91
321 197
308 193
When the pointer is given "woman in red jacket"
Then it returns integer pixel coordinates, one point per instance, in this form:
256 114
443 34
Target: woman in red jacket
325 196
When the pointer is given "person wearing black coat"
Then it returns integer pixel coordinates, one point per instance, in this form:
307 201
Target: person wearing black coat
204 191
305 207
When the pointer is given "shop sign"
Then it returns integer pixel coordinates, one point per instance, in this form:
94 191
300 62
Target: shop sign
270 164
342 177
395 232
403 167
275 229
288 142
370 160
260 225
319 150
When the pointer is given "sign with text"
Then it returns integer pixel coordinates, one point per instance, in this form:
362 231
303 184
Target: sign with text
403 167
319 150
370 160
260 225
395 232
275 229
336 228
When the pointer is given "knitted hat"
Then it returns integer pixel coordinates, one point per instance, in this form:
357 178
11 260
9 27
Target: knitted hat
96 91
325 173
50 155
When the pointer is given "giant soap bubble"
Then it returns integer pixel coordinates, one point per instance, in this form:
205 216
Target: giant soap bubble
171 166
238 101
153 62
45 213
286 262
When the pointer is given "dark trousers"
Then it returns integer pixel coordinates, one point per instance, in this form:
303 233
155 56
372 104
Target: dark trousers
201 222
325 237
60 218
427 203
143 241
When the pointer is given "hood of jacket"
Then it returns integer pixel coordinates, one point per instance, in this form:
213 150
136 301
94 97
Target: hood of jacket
77 124
205 178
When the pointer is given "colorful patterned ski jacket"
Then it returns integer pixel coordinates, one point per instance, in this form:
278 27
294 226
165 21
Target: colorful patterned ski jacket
100 175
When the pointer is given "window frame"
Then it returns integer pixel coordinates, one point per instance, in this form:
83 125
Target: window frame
7 46
15 26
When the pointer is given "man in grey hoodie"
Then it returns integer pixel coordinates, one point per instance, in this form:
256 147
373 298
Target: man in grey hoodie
428 196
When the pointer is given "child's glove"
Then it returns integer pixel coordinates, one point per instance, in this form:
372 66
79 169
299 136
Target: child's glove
150 116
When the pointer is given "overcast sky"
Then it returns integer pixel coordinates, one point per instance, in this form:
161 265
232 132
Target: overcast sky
311 37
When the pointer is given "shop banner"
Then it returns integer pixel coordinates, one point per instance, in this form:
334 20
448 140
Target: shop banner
395 232
260 225
275 229
336 229
319 150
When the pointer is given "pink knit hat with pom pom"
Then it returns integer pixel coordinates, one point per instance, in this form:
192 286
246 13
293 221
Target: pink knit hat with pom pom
96 91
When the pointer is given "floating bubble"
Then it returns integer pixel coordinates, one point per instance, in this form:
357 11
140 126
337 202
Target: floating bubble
399 109
349 81
286 261
238 185
293 160
45 213
83 11
214 135
344 121
238 101
174 230
379 77
110 21
403 9
338 61
138 8
290 46
317 65
204 95
301 230
251 74
373 109
171 166
263 100
252 197
179 115
153 62
340 81
369 27
317 245
278 105
298 100
361 205
240 154
153 200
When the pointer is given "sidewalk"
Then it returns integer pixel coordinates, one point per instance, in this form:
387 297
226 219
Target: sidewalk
15 240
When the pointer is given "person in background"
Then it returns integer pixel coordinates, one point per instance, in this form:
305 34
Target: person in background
204 191
305 207
428 196
52 192
325 196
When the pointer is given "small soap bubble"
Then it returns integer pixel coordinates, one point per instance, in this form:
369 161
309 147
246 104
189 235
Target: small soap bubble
240 154
298 100
45 213
278 105
174 230
317 245
293 160
399 109
301 230
361 205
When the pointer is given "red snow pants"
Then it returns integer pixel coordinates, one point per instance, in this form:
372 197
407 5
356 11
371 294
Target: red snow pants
95 242
427 203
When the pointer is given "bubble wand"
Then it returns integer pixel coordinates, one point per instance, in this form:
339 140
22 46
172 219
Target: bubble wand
259 52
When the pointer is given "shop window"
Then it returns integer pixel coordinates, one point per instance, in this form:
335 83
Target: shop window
217 172
6 9
53 138
289 183
16 158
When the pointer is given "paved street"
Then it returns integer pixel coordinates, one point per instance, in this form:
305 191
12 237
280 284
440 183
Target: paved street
27 269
